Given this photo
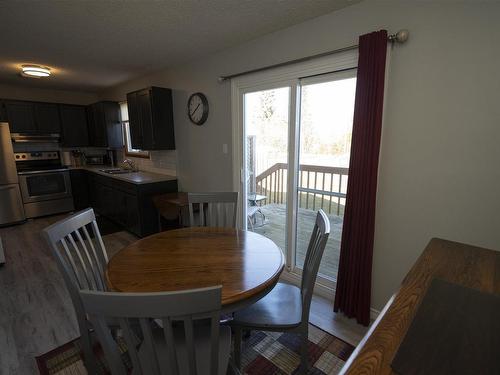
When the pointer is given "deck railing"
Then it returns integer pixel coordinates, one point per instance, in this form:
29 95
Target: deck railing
319 186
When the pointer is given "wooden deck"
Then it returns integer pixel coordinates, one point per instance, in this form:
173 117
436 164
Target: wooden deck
274 228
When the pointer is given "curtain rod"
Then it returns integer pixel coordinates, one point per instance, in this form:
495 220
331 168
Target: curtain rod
400 37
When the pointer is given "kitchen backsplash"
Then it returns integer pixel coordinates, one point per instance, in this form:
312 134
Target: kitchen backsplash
164 162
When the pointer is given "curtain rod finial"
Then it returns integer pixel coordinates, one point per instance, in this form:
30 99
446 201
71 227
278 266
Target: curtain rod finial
401 36
221 79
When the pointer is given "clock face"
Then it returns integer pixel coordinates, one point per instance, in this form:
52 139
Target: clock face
198 108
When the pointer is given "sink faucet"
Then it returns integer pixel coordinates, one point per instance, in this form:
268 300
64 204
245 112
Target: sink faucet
130 165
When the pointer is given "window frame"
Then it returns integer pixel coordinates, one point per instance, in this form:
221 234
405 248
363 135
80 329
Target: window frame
127 149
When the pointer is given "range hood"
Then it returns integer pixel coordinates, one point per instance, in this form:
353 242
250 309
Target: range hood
32 138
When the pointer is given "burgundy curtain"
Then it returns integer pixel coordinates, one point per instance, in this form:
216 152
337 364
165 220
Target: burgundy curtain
353 294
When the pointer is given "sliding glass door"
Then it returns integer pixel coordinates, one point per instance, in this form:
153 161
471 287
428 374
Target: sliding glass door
326 114
267 123
297 140
292 140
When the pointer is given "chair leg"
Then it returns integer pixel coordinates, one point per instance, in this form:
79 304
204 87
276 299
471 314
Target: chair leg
88 354
237 347
304 351
251 222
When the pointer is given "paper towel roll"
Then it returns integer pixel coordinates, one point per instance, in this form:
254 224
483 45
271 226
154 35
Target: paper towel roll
66 158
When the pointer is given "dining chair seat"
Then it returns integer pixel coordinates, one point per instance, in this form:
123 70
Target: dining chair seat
281 308
201 346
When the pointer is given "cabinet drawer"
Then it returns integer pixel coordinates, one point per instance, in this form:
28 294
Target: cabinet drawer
125 187
107 181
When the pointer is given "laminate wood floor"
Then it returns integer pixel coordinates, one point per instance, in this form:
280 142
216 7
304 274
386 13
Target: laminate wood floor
36 314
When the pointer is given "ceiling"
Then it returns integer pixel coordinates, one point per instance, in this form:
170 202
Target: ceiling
91 45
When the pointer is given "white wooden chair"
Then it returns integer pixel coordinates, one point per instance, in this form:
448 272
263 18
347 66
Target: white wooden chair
214 209
286 308
82 261
189 339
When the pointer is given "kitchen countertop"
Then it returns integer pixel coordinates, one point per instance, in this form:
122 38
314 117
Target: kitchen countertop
138 178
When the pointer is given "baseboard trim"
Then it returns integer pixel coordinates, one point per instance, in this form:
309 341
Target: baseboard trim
321 290
374 313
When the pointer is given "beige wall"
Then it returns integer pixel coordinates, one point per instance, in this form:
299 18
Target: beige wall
439 173
46 95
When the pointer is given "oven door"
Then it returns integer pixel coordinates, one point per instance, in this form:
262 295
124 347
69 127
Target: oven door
44 185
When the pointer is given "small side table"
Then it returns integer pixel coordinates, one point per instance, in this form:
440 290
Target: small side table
255 202
171 207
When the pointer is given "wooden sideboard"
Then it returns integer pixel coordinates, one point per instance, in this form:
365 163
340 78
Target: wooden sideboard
455 262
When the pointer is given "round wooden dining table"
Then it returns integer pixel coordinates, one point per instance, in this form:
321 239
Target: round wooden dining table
246 264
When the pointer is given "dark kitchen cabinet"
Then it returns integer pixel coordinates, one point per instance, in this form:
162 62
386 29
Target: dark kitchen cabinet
80 188
126 204
21 116
32 117
127 211
3 113
151 119
47 118
74 125
105 129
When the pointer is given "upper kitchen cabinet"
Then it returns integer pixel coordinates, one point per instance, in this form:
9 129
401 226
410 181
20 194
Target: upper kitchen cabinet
30 117
151 119
21 116
3 113
105 129
47 118
74 125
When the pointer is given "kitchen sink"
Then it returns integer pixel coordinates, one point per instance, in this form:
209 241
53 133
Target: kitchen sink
116 171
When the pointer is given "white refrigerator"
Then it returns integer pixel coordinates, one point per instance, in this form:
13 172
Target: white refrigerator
11 203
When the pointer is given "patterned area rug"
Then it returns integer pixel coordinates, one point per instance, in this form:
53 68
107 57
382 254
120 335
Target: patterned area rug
266 353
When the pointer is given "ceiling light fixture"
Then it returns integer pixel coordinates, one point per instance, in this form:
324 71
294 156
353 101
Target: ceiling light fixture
35 71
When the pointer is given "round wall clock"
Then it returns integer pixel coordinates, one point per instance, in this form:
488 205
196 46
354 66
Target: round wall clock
198 108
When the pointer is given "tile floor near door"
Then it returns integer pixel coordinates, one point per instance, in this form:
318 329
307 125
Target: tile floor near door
36 314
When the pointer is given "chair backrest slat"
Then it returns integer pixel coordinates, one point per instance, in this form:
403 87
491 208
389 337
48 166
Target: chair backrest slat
173 310
188 331
169 337
315 250
97 235
130 340
111 351
94 269
71 269
214 352
85 267
101 260
150 347
214 209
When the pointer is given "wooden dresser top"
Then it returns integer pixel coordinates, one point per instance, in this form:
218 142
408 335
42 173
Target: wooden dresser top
455 262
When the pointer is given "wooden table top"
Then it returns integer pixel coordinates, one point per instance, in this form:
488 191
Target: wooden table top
179 199
455 262
244 263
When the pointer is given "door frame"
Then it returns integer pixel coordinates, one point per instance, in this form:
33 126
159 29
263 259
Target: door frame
274 78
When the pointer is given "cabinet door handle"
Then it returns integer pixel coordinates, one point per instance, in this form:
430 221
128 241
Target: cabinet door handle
7 187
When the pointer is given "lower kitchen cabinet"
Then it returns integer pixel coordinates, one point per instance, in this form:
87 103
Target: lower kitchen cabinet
80 188
126 204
